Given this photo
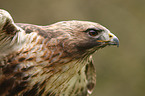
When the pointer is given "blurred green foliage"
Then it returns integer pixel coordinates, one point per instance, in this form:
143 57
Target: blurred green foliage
120 71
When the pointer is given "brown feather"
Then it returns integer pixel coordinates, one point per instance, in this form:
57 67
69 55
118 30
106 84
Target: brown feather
90 75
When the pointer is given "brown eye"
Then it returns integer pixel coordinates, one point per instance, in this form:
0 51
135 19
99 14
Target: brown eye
93 32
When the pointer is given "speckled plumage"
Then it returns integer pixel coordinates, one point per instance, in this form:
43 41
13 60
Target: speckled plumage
53 60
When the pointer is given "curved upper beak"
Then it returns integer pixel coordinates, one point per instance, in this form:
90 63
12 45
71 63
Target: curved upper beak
108 39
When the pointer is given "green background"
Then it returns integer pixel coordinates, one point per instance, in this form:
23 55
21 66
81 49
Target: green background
120 71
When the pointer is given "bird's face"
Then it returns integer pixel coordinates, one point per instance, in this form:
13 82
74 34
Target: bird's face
95 35
85 35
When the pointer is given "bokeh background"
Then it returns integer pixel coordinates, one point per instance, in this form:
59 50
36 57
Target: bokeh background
120 71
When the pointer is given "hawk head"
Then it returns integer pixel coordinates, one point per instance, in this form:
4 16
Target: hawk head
83 36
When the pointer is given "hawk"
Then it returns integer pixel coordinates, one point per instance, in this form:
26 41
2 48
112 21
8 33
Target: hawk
52 60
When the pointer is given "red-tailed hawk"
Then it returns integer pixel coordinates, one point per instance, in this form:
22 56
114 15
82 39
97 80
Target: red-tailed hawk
53 60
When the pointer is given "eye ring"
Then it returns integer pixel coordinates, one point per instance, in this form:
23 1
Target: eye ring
93 32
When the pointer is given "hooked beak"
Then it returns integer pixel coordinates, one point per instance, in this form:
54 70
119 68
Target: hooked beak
111 40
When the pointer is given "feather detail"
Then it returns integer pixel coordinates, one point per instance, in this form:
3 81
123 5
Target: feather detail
12 37
90 75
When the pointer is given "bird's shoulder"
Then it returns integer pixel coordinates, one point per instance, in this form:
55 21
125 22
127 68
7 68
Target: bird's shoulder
40 30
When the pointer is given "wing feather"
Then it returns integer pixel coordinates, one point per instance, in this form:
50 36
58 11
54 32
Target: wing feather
11 36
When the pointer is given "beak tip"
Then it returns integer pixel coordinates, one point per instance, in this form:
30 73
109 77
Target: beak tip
117 45
116 41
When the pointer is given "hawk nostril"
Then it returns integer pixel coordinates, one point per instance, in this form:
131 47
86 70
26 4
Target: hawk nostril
110 36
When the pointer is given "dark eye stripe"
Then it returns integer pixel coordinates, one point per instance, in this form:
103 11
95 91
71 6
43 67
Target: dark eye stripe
93 31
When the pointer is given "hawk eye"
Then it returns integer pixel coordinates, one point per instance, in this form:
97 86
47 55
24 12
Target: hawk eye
93 32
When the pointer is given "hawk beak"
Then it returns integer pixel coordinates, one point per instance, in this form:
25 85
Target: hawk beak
109 40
